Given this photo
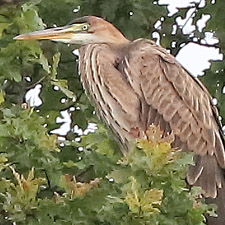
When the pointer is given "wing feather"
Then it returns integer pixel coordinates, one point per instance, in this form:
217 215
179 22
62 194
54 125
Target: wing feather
185 104
145 86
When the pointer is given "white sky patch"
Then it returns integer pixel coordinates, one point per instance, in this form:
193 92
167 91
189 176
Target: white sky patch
76 10
210 39
63 100
78 130
173 6
173 44
187 23
201 23
156 37
76 52
28 79
91 128
32 96
174 29
66 122
196 58
223 90
55 88
158 25
214 101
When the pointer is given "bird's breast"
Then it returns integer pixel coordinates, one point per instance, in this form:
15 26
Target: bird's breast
114 99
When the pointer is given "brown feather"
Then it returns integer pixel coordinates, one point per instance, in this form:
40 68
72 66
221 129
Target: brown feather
141 84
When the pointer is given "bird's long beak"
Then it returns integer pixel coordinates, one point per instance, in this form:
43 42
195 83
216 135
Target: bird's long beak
64 34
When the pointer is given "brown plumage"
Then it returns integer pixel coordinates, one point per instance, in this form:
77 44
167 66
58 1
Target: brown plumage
139 84
136 84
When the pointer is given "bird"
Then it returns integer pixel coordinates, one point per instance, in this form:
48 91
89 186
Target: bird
135 84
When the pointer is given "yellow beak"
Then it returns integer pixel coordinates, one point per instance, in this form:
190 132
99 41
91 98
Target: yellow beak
64 34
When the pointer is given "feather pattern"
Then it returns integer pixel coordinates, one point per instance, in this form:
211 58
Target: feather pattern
139 84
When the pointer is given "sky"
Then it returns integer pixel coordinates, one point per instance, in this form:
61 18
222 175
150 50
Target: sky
193 57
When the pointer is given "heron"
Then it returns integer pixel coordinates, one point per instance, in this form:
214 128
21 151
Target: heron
134 84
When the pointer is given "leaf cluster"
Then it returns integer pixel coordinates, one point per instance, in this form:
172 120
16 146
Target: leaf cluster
132 191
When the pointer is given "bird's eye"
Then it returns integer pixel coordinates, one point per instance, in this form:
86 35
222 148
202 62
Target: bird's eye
85 27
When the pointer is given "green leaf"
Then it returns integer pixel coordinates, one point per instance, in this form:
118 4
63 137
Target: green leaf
56 59
3 26
62 85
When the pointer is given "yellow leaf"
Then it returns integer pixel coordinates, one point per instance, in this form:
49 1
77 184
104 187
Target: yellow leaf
3 161
76 189
27 188
2 99
151 200
133 202
157 148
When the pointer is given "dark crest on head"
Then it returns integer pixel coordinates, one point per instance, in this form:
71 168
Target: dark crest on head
84 19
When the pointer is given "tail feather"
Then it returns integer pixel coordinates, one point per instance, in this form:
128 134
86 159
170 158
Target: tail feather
208 174
220 202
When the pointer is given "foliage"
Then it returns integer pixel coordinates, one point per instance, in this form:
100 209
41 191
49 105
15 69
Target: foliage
47 179
136 191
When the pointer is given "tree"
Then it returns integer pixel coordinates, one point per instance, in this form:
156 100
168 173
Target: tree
51 180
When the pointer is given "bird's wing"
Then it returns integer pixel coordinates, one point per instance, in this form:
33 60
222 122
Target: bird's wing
114 99
181 102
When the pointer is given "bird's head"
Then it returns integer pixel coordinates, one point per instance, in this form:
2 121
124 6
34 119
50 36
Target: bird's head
84 30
